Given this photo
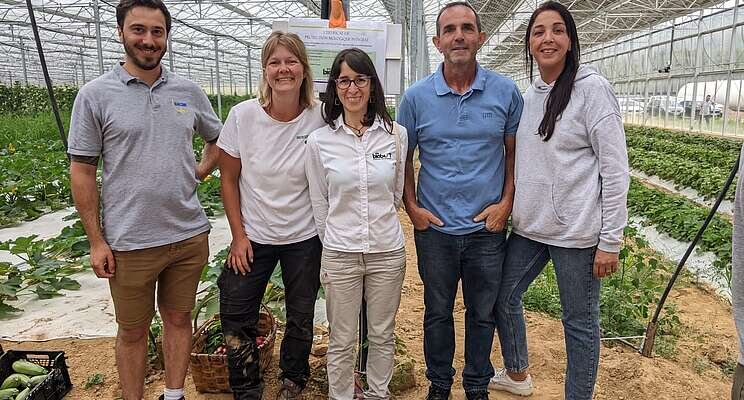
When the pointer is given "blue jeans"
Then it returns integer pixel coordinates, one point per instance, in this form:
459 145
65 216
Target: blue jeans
579 294
443 260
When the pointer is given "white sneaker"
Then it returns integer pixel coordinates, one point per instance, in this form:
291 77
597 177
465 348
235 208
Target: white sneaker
502 381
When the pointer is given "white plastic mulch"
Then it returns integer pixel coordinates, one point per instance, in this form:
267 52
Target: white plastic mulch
699 263
726 207
87 312
84 313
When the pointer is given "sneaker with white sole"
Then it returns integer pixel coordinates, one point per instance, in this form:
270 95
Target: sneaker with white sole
502 381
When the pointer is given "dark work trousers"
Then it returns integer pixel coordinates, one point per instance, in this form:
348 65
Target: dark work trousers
240 300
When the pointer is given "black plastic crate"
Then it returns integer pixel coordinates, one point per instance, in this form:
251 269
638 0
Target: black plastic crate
55 386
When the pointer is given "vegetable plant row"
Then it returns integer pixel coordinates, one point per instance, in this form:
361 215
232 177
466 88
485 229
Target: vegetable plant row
709 142
29 100
705 178
36 171
680 218
692 152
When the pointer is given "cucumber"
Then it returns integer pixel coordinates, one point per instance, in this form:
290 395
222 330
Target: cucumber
35 380
19 381
23 394
28 368
9 394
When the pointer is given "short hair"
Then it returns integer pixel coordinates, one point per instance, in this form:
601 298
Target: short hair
124 6
457 4
296 46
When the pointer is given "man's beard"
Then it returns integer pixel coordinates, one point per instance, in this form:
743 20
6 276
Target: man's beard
144 64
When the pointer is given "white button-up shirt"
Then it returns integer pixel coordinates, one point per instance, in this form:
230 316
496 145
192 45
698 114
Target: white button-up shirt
353 186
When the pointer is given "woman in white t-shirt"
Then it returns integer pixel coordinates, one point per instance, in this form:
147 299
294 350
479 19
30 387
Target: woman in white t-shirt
267 203
354 167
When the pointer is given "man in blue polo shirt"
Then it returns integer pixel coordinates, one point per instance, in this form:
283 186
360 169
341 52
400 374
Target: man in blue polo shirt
463 119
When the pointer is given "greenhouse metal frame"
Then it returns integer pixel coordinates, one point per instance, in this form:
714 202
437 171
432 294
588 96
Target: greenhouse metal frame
645 48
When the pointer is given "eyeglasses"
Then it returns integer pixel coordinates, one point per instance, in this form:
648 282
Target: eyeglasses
360 82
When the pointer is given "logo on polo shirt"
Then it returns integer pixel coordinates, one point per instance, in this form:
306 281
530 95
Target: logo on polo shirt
181 106
488 115
382 156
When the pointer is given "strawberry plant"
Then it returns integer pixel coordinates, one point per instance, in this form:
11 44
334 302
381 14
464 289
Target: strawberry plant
680 218
692 152
706 179
705 141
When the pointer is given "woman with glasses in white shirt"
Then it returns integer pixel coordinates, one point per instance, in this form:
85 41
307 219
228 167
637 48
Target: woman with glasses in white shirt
355 171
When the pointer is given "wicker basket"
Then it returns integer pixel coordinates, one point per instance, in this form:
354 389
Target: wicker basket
210 370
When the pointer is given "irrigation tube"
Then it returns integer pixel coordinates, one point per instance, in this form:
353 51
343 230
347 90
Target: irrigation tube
648 341
48 80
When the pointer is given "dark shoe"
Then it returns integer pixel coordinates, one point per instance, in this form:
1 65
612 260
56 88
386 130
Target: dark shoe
436 393
289 391
162 397
477 395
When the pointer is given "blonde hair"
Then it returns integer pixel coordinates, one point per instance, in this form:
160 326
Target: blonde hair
294 45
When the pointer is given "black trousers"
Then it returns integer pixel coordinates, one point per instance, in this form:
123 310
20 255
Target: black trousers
240 300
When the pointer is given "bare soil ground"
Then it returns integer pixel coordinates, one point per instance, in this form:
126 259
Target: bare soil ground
694 370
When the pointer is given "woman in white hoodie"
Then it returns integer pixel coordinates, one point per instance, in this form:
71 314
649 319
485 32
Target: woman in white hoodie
571 184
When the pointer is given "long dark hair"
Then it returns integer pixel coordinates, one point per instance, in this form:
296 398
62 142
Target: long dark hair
360 62
561 93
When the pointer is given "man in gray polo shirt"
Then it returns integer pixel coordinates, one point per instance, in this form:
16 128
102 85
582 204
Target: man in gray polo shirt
140 119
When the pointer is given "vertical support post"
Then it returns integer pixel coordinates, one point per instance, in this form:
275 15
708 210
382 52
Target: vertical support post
414 53
211 80
82 66
232 87
171 63
646 97
250 72
696 73
399 12
217 75
99 46
730 68
23 61
670 104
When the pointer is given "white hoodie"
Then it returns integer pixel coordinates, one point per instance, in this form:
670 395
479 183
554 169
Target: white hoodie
571 191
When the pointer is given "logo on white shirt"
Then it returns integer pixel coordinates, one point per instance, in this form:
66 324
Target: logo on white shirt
382 156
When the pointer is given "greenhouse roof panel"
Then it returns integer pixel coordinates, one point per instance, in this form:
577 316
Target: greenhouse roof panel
68 30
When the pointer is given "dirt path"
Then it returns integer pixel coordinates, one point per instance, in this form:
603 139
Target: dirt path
707 346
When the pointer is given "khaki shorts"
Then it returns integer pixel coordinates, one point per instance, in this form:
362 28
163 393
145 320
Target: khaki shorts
175 267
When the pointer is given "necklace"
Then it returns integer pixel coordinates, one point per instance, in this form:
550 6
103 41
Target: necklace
357 131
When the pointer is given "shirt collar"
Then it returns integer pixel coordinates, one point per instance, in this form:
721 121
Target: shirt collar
125 77
339 123
479 83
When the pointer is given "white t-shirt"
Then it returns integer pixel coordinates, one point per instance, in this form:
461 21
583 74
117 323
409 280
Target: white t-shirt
356 184
274 200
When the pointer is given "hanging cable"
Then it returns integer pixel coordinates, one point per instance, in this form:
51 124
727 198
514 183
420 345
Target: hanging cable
648 341
47 79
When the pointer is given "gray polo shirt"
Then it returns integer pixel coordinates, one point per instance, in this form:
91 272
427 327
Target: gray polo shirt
144 137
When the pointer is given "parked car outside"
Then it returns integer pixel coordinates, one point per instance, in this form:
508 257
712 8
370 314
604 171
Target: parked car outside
661 105
630 106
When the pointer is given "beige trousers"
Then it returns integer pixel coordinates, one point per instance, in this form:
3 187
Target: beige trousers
346 277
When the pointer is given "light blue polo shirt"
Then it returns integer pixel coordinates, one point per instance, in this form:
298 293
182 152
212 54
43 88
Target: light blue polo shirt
461 144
